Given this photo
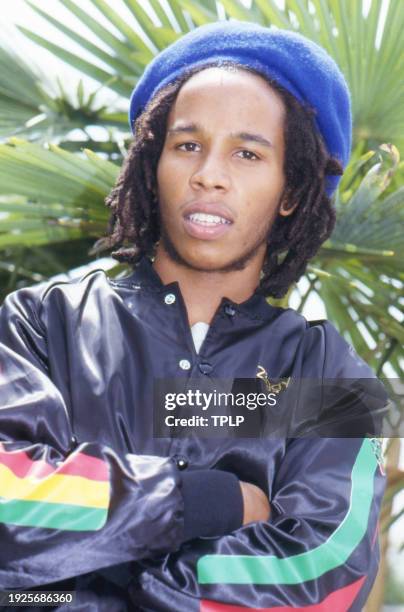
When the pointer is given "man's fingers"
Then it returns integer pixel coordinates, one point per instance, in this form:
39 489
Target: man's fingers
256 503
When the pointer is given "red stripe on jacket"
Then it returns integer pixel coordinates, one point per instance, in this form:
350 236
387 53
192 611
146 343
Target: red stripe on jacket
340 600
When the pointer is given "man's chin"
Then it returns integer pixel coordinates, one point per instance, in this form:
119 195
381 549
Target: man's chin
207 264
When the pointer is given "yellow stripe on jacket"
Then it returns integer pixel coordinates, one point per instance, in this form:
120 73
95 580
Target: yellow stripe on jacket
56 488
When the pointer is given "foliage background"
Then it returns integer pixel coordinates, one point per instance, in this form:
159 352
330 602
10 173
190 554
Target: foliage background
62 141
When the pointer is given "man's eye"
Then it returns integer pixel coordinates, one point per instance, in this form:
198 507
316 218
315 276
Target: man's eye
187 146
246 154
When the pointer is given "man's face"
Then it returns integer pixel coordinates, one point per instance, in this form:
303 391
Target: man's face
220 175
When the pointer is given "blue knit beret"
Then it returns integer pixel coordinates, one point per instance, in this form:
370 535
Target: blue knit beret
293 61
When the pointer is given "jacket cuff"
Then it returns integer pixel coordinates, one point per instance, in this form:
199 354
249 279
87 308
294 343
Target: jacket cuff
213 503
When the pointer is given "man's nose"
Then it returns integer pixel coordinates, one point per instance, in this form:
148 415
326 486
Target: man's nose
211 173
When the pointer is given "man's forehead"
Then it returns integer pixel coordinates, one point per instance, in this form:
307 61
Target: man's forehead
240 104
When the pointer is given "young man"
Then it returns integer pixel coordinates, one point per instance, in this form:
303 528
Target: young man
240 134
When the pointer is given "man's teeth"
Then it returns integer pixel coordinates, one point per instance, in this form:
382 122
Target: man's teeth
206 219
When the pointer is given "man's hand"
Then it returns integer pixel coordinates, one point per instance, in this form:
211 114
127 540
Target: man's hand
256 503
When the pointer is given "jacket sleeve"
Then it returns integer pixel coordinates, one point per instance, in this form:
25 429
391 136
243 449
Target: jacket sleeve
319 550
68 508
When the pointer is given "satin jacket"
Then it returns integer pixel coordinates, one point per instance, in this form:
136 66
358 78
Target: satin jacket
91 501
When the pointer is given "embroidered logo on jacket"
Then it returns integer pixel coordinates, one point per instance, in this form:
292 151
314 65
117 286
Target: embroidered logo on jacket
272 387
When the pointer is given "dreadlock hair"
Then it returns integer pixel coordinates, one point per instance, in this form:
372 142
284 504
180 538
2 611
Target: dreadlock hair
291 241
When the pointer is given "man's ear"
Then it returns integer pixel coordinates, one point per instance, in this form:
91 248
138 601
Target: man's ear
286 208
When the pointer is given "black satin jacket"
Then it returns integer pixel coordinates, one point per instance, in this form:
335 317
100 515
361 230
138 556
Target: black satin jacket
91 501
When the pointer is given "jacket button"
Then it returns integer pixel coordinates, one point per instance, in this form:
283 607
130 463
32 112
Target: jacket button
205 367
185 364
169 298
230 310
181 462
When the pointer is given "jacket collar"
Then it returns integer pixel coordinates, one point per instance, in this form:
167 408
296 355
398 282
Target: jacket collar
255 307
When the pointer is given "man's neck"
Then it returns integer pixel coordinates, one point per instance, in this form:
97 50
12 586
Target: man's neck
203 291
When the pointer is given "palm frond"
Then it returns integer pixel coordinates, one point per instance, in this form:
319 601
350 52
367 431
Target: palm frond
48 112
358 273
61 196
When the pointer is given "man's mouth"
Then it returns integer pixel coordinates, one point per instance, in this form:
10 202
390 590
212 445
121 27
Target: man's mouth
205 226
207 220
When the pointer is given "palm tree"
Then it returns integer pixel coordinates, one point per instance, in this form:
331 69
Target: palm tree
53 185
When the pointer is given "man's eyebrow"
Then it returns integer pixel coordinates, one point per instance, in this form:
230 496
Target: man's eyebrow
192 128
252 137
189 128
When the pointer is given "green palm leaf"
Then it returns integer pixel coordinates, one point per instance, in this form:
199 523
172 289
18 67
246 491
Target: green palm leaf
44 114
358 273
71 206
